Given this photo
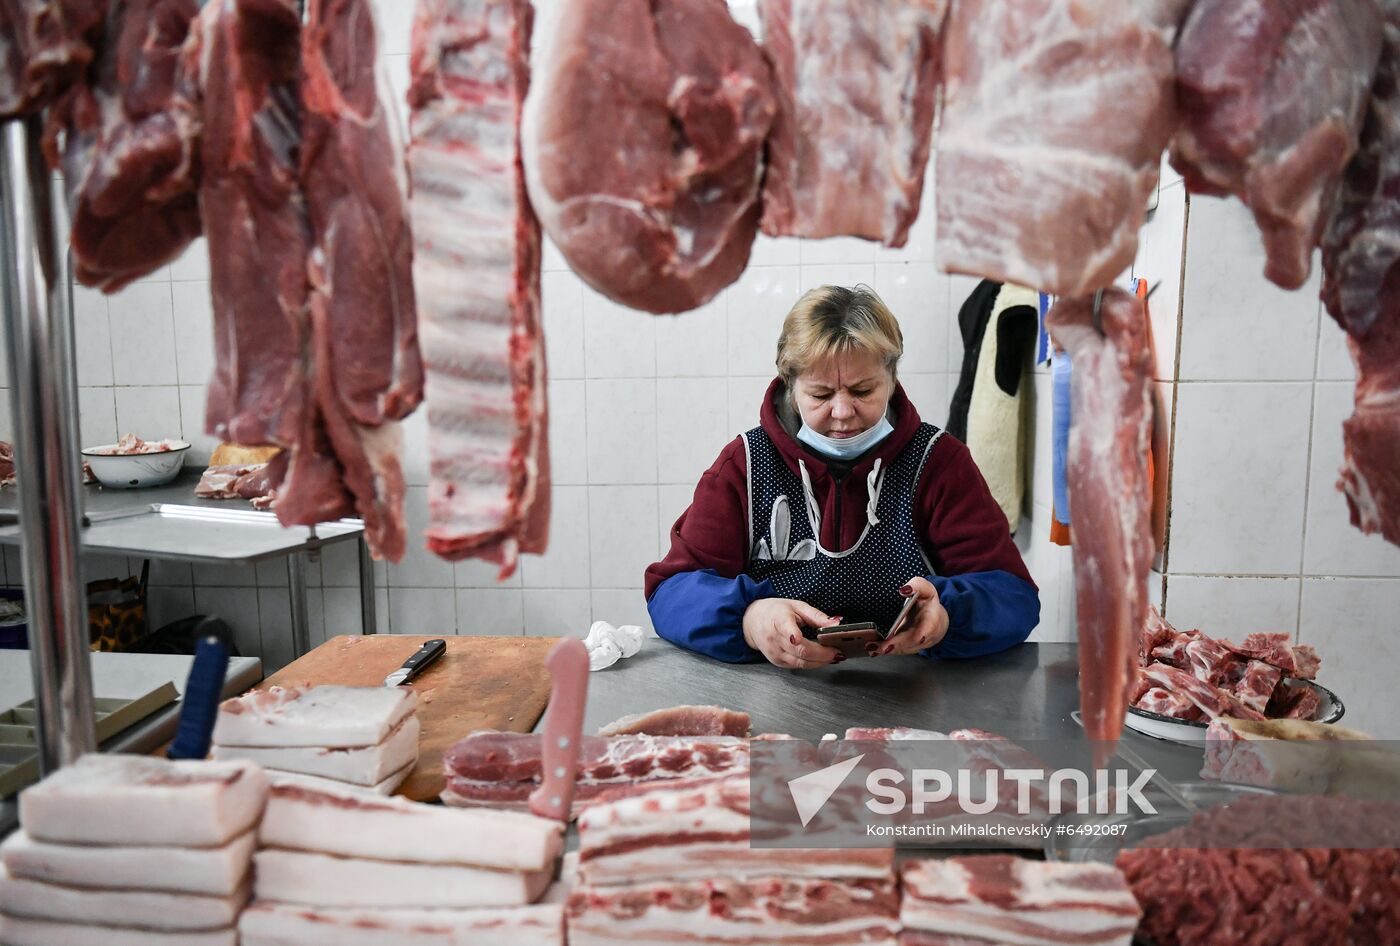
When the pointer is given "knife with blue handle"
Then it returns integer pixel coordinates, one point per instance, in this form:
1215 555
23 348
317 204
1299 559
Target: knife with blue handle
199 707
413 666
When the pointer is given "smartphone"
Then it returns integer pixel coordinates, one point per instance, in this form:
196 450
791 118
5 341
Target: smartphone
850 639
898 624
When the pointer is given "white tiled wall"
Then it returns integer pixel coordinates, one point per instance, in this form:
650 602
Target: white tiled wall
1259 535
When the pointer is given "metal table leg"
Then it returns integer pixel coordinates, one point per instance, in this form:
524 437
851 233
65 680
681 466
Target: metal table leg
37 301
296 583
369 623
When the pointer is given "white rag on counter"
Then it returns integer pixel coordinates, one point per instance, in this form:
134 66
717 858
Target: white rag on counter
607 644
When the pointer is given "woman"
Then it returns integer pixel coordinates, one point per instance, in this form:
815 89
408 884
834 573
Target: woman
840 506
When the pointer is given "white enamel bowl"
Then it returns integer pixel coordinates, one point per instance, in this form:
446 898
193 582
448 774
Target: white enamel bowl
133 470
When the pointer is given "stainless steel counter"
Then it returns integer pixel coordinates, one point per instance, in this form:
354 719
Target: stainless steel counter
170 522
1026 693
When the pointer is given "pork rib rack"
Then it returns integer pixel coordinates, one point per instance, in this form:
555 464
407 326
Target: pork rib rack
478 273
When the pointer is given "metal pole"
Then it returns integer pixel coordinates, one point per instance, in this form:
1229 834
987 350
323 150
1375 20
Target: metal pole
369 621
37 299
296 584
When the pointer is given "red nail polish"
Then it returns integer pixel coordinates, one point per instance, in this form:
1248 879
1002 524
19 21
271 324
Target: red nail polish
792 638
906 590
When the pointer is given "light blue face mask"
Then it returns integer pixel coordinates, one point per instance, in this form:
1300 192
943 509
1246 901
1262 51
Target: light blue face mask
845 448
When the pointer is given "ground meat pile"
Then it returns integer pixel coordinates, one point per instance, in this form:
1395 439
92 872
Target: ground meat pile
1252 893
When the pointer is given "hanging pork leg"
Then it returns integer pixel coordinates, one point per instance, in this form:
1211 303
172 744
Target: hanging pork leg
1110 497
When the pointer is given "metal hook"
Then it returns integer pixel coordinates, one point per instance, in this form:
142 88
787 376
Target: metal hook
1097 314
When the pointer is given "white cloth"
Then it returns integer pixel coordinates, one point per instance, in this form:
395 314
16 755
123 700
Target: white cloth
607 644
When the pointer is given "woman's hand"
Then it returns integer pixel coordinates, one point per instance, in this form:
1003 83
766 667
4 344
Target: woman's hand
926 625
773 627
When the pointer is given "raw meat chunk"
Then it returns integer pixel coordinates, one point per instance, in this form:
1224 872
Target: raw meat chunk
363 766
129 151
697 829
681 721
363 319
147 909
1165 703
998 898
477 266
1211 700
246 57
1272 96
320 880
497 769
213 871
1361 288
722 911
1041 182
1251 891
350 823
21 931
856 83
643 137
1112 497
144 800
275 924
1278 650
43 47
316 716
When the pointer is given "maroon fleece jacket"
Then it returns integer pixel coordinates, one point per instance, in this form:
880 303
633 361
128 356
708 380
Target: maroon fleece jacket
962 527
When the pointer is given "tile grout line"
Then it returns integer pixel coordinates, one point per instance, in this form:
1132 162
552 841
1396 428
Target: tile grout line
1307 478
1176 399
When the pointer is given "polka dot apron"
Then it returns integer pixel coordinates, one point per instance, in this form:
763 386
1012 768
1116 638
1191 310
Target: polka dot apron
861 583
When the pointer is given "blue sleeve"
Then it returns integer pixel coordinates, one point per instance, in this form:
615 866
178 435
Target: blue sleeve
704 612
987 613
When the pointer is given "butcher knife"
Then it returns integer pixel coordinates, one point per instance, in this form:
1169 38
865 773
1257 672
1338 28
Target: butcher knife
563 730
413 666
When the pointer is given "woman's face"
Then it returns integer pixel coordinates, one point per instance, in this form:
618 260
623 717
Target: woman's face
845 395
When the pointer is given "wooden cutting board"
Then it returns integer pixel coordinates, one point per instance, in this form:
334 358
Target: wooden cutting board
480 683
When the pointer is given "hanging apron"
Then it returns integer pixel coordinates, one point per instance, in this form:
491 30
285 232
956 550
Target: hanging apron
861 583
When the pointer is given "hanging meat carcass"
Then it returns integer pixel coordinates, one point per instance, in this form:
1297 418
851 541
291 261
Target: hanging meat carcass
245 59
1111 498
129 146
856 83
309 255
478 273
1054 120
1361 289
643 137
364 338
43 47
1272 96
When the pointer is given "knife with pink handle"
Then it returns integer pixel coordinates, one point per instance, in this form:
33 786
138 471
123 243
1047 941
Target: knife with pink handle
563 729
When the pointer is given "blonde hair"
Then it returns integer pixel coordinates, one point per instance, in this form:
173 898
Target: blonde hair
832 320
